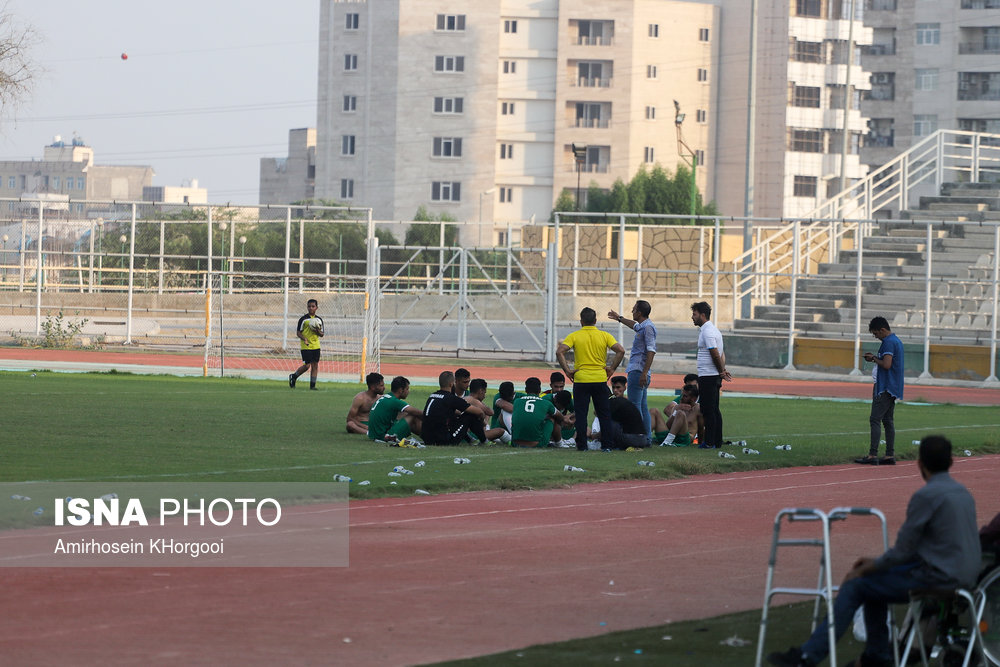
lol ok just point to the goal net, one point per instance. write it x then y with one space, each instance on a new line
250 325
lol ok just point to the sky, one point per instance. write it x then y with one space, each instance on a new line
209 86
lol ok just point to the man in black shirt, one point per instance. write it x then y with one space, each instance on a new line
627 427
447 417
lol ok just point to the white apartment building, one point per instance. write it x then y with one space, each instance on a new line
802 75
473 109
933 65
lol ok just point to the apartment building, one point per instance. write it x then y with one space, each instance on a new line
474 110
807 80
933 65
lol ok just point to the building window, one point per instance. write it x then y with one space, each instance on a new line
55 183
447 147
448 105
451 22
446 191
811 8
507 109
702 74
928 34
352 21
449 63
347 188
80 184
807 52
347 144
650 71
509 66
595 33
510 26
506 151
591 75
703 34
650 113
647 154
926 79
924 124
350 62
805 186
506 195
12 182
806 141
654 29
350 102
699 156
701 116
805 96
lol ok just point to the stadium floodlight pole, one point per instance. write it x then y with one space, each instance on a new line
580 155
222 228
100 250
243 262
5 239
123 239
748 200
692 162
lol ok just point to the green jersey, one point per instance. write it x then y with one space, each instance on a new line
530 419
384 414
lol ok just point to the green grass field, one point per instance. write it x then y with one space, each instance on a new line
103 427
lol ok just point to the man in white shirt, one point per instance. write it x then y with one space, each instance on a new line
711 372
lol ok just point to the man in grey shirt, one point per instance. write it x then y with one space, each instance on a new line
937 546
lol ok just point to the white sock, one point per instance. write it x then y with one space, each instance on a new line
669 440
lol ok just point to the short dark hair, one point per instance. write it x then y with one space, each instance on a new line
446 379
398 382
935 453
588 316
462 373
506 391
702 307
619 379
643 307
691 389
878 323
557 377
533 385
373 379
312 301
476 385
562 399
691 378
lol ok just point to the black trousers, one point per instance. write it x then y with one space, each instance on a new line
708 398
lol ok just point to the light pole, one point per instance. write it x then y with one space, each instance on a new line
223 226
243 262
124 240
690 157
580 155
5 239
481 194
100 248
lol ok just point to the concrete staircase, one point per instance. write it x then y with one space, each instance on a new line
894 276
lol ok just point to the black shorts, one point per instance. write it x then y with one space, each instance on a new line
310 356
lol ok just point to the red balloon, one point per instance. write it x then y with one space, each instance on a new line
124 56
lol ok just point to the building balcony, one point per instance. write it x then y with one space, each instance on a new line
593 122
980 4
593 83
880 5
972 94
880 140
978 49
879 50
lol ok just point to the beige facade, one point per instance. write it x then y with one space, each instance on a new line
473 110
189 193
284 180
933 65
67 172
802 74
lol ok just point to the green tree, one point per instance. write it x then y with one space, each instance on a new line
618 197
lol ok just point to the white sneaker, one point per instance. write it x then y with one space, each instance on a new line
505 438
414 441
567 443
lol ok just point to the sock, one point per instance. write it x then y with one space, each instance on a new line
669 440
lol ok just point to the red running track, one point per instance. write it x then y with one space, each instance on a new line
435 578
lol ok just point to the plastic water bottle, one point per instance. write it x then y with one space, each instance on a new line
364 483
39 512
419 464
109 496
461 460
395 474
741 443
747 450
341 478
399 469
651 464
406 472
783 447
570 468
18 496
967 452
421 492
726 455
915 442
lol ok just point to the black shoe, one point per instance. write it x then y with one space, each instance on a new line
791 658
291 380
867 460
887 461
313 388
